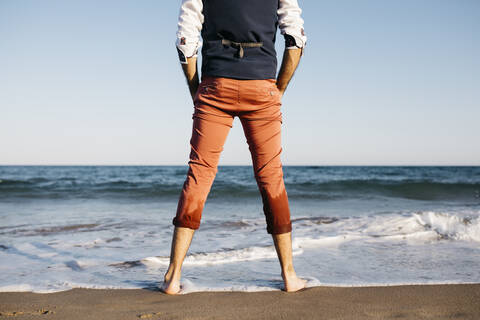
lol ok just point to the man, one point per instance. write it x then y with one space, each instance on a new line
239 66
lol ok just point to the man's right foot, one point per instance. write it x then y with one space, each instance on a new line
293 283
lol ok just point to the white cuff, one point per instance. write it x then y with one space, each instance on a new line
187 49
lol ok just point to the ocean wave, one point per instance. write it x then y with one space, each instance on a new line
209 258
68 187
327 241
421 227
408 181
48 230
449 226
59 287
417 227
408 188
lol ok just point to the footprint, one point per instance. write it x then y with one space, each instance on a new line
10 314
17 313
148 315
43 311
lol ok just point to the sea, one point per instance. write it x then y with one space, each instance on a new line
64 227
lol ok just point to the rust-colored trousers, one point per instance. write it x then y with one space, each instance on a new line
217 102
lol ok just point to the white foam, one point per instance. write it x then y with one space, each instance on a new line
190 287
451 226
220 257
21 287
333 241
60 286
415 228
414 237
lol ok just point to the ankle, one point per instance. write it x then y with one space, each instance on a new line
288 272
172 274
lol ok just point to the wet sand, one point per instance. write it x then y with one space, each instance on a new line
452 301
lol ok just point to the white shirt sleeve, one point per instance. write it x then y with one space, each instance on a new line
290 24
190 23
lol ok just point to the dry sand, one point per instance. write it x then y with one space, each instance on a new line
453 301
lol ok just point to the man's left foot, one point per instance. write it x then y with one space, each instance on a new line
171 287
171 283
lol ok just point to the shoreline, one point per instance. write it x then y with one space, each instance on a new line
414 301
189 289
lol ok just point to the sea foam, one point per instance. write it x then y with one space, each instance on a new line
220 257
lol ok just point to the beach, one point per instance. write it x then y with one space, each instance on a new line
453 301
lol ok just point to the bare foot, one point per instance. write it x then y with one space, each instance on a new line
171 287
171 284
293 283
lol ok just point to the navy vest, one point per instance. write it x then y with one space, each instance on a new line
239 21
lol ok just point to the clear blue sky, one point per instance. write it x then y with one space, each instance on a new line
381 83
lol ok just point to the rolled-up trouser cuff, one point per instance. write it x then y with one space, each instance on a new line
280 229
185 224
